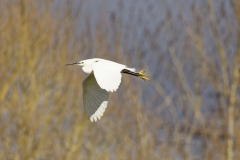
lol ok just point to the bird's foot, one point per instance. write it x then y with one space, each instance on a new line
142 75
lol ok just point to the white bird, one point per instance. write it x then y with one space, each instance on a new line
104 77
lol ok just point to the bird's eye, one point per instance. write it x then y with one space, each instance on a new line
96 61
81 62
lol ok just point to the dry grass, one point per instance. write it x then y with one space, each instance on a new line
189 109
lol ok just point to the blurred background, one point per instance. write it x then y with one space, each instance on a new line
188 110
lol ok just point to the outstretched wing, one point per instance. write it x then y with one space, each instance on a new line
95 99
108 74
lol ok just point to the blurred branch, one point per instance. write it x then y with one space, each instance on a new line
235 85
232 101
230 92
220 48
160 90
203 58
40 115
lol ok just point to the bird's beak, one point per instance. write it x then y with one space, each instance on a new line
76 63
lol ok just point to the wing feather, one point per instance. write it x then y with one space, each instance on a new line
95 99
108 74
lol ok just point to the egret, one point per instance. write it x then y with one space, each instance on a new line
104 77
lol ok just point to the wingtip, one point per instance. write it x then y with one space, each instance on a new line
91 119
112 90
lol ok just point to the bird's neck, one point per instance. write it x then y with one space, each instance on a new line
87 69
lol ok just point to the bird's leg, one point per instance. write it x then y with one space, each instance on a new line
140 74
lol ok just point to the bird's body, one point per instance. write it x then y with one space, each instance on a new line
105 76
88 64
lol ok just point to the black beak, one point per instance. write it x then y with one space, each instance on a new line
72 63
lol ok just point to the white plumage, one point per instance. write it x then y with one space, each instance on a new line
108 74
95 99
104 77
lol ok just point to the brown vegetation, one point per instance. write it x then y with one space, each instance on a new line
188 110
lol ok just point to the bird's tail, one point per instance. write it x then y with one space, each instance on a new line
131 69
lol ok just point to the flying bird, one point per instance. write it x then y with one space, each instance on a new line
104 77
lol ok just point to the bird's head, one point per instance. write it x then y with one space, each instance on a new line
87 62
